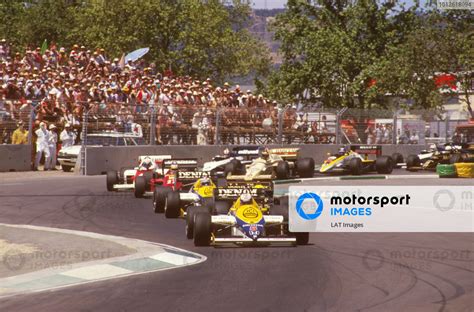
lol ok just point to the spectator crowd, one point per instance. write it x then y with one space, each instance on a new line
59 84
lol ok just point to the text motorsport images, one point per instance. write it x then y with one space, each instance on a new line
380 209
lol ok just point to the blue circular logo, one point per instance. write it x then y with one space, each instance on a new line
309 216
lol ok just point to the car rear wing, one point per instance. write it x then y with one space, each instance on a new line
246 152
154 158
367 149
183 163
285 153
187 169
261 191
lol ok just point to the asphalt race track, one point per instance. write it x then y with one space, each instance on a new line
337 272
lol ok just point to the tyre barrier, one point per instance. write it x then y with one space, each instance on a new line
446 171
465 170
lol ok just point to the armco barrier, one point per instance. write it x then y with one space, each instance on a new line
15 157
101 159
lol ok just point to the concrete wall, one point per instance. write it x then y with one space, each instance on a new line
15 157
101 159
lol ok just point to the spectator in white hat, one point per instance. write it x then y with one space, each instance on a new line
68 137
42 146
53 145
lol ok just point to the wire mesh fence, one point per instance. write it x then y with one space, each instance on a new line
128 124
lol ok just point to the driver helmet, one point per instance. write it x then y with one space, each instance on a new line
147 162
433 146
265 153
342 150
174 166
448 148
226 152
205 181
245 199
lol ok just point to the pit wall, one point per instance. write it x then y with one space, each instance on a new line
15 157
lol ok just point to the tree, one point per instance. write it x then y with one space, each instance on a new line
200 38
328 45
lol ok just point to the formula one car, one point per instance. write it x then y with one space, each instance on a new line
176 174
148 165
355 160
244 213
276 163
200 196
440 154
232 160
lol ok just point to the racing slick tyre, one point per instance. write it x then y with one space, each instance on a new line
455 158
302 238
305 167
233 167
112 178
208 203
202 229
221 182
66 168
355 166
148 176
384 164
140 186
413 161
221 208
465 170
172 205
397 158
280 210
159 198
446 170
191 212
283 170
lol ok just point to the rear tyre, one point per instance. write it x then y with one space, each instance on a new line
221 182
413 162
397 158
233 167
202 229
302 238
355 166
283 170
455 158
140 186
384 164
305 167
66 168
159 198
191 212
221 207
148 176
208 204
172 205
112 178
280 210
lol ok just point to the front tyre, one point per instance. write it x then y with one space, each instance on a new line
283 170
140 186
384 164
172 205
112 178
202 229
159 198
305 167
